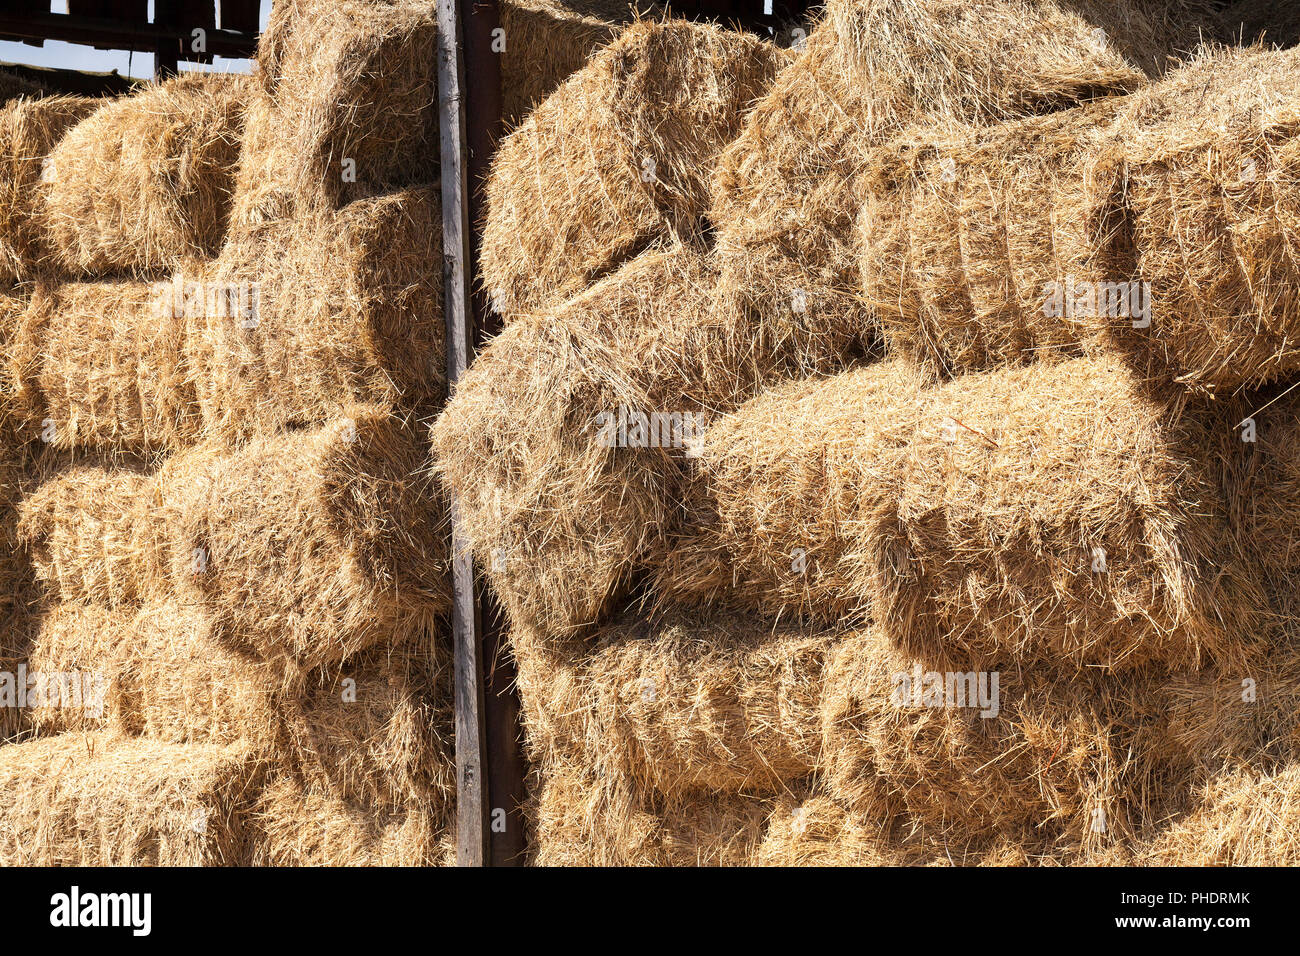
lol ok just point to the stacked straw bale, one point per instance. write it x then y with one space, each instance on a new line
616 159
335 308
145 182
1056 512
29 130
100 800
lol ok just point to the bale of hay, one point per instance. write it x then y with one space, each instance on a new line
616 159
318 313
1083 759
784 200
969 236
18 591
1251 21
722 704
29 130
352 108
562 503
163 673
548 40
99 800
1245 819
1056 512
145 181
101 365
312 545
97 536
1211 167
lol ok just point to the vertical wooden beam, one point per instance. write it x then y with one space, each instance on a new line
167 55
472 818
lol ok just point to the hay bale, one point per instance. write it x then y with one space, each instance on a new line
784 200
18 593
562 512
29 130
616 159
548 40
1211 202
164 672
97 800
969 520
353 104
967 234
145 181
332 309
96 536
101 365
1059 747
1252 21
312 545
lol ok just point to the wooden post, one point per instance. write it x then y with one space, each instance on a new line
471 764
167 55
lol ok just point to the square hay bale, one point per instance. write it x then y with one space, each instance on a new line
162 671
99 800
144 182
313 545
971 238
720 704
318 313
18 591
616 159
1080 758
29 130
784 199
101 365
548 40
1211 170
1245 818
564 442
96 535
1056 512
353 104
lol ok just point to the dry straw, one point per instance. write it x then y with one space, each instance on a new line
970 235
100 800
319 312
100 365
29 130
312 545
1081 759
352 109
784 196
13 87
145 181
1251 20
616 158
1212 194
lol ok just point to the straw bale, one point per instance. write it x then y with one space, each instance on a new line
96 535
145 181
311 545
548 40
561 521
264 177
968 233
17 584
99 800
1245 819
784 198
353 102
616 159
1061 746
164 672
1211 199
101 365
318 313
29 130
1267 20
968 519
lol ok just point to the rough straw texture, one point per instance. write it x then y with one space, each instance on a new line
145 181
616 159
99 800
319 312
